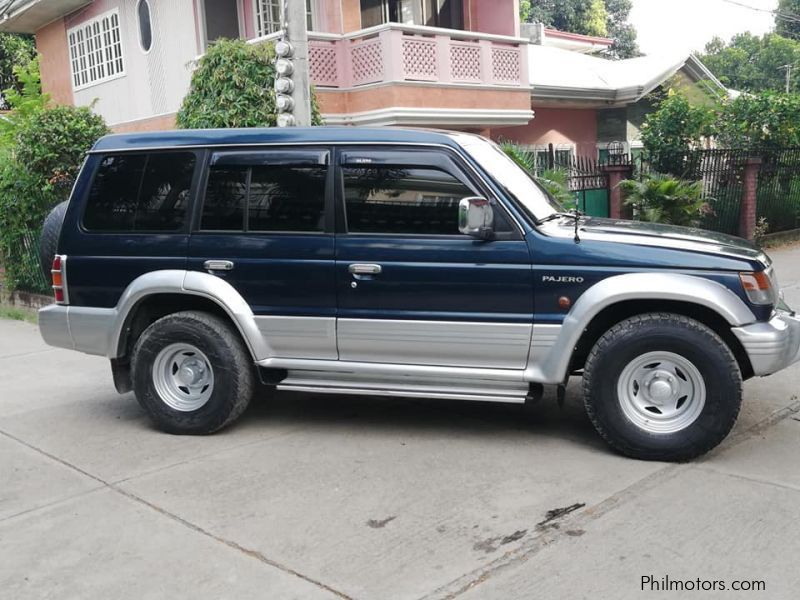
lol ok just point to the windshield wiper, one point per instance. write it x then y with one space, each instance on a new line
574 214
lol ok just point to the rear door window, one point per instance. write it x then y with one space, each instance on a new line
140 192
266 192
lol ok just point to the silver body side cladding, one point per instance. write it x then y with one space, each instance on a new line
300 337
439 343
488 361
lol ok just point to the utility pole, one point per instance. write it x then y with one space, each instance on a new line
788 69
293 98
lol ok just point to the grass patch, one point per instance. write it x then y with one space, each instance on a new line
15 313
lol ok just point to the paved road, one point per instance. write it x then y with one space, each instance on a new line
336 497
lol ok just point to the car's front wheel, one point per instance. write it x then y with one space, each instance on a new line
192 373
662 387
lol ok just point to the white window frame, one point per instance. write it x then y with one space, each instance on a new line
260 31
258 16
107 46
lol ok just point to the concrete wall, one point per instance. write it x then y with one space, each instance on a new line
556 126
51 42
155 82
492 16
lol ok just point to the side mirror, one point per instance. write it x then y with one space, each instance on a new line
476 217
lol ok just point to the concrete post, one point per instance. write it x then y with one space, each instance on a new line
747 208
297 34
615 174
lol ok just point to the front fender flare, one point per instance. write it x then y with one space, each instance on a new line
550 365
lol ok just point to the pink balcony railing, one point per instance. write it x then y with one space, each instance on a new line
394 52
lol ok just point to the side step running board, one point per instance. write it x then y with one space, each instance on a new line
477 390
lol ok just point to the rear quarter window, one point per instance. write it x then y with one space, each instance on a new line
140 192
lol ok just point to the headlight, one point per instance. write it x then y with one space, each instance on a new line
759 287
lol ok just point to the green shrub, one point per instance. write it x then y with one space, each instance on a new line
675 127
42 151
665 199
53 142
232 86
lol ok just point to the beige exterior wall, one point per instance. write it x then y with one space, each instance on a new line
154 82
151 124
51 42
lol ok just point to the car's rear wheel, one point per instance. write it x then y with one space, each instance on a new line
662 387
192 373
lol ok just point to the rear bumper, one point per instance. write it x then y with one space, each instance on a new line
771 346
77 328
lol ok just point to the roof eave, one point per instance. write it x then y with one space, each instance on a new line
35 14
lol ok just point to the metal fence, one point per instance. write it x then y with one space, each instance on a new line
31 278
585 179
778 196
721 171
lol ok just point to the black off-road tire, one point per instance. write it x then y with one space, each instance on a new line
664 332
48 241
229 358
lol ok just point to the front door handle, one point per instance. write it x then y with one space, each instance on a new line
218 265
364 269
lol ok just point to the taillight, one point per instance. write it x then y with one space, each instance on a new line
758 287
58 273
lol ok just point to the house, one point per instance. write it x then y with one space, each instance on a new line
459 64
446 63
588 106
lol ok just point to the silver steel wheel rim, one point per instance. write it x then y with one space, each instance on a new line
661 392
183 377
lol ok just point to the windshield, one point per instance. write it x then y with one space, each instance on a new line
515 180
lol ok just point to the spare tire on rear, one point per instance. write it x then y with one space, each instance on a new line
48 242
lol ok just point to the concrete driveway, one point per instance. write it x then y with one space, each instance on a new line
340 497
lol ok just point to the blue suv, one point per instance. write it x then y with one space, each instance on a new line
399 263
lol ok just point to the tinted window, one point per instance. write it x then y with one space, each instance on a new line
226 197
275 198
287 199
402 200
140 192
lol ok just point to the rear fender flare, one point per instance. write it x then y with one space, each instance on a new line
190 283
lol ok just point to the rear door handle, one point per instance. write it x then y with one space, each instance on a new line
364 269
218 265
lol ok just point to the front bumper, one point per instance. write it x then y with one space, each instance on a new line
773 345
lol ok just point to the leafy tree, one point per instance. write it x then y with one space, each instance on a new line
764 119
588 17
665 199
788 27
674 127
752 63
232 86
15 50
622 32
42 150
525 10
25 101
